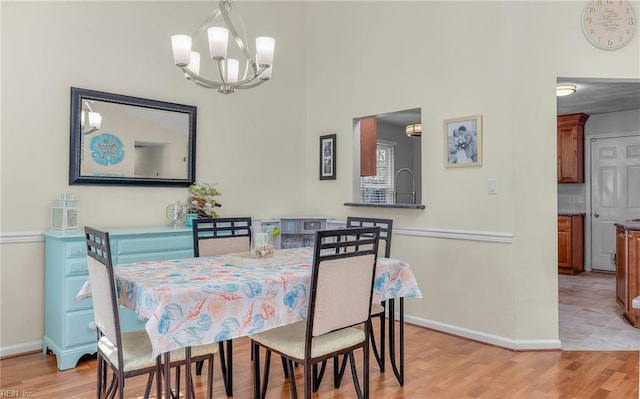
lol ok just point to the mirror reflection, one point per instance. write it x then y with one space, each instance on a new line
126 140
388 158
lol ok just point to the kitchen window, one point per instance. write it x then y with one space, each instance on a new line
378 189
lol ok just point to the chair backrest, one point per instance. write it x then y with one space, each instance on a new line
386 229
221 236
103 287
344 263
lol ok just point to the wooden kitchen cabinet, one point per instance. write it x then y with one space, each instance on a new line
571 148
570 244
628 269
368 146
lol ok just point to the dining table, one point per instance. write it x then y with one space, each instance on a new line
202 300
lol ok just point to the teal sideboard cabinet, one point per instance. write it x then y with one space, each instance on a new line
69 331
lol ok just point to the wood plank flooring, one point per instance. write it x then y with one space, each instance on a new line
438 366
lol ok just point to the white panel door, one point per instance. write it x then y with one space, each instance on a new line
615 193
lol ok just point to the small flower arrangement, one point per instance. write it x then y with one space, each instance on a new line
202 199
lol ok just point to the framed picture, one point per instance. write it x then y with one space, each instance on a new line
463 141
328 157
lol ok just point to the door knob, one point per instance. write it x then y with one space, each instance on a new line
596 215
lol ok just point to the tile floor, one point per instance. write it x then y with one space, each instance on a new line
590 318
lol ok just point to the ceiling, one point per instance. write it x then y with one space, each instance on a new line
593 96
599 96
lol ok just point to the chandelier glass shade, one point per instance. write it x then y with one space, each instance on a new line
257 66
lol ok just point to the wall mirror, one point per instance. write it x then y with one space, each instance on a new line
117 139
388 158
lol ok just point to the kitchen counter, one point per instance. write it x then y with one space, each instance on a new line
629 224
570 213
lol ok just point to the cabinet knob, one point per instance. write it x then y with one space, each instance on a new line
597 215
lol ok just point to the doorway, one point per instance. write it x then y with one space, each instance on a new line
614 192
612 176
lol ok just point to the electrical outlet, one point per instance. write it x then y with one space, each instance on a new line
572 199
580 199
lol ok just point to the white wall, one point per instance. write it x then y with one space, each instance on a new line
246 142
455 59
493 279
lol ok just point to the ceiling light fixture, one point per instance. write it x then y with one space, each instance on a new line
414 130
258 66
565 90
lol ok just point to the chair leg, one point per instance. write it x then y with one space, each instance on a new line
159 377
318 374
199 365
379 355
255 356
292 380
260 387
120 387
285 367
99 377
210 377
308 380
354 373
111 391
339 371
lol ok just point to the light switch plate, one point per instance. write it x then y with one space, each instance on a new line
492 186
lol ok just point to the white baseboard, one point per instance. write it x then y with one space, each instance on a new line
19 349
539 344
548 344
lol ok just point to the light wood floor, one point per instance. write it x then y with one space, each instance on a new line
438 366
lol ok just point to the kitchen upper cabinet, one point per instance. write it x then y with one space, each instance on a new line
570 244
368 146
571 148
628 271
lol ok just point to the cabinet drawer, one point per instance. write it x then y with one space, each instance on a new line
153 244
78 328
165 255
72 286
75 250
76 267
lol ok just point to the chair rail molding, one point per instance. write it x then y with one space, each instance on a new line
14 237
468 235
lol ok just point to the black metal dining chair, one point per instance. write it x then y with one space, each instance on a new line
128 354
378 310
219 236
342 276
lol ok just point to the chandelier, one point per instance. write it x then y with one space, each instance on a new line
257 68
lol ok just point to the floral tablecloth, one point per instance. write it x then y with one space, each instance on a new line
196 301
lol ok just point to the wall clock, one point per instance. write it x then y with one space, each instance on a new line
609 24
